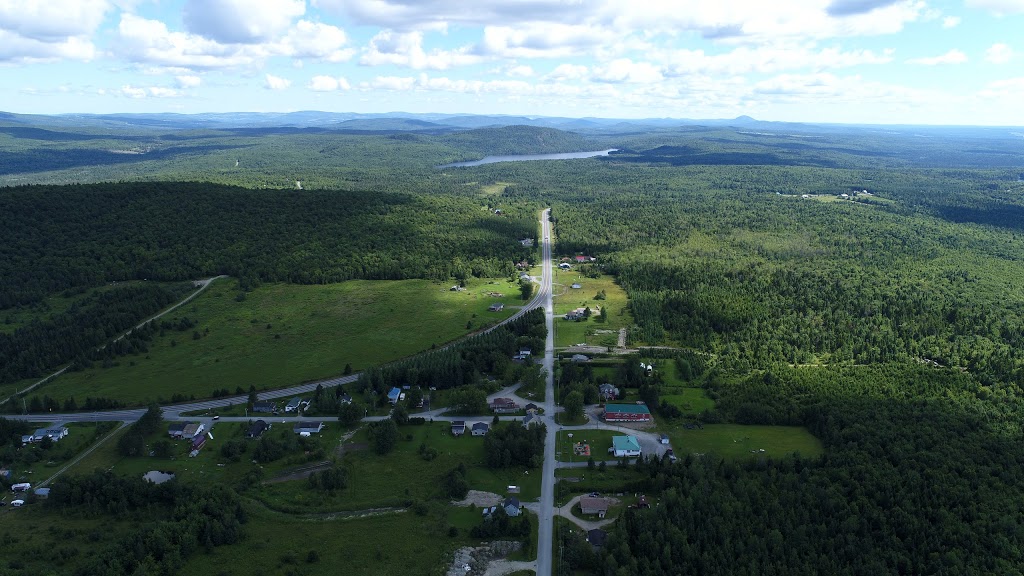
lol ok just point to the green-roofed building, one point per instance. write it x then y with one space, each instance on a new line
625 446
626 413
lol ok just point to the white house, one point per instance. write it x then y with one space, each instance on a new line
54 434
625 446
480 429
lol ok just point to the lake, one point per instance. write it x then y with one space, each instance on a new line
528 157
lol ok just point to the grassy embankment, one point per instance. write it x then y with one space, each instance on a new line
284 334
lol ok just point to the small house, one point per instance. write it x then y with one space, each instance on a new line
296 404
257 428
264 406
608 391
393 395
512 506
531 407
488 511
198 442
458 427
308 428
527 242
176 429
590 505
345 398
42 492
480 429
531 419
53 434
582 259
496 307
21 487
28 439
524 276
597 537
503 406
625 446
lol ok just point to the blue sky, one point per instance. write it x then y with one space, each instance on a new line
849 61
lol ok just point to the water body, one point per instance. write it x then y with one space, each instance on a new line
528 157
157 477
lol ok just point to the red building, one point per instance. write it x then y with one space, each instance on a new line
626 413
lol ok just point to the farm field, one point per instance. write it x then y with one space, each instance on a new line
736 441
282 334
568 333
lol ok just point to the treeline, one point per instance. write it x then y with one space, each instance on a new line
56 237
462 363
33 349
513 445
173 521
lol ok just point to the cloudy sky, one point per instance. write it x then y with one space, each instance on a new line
863 61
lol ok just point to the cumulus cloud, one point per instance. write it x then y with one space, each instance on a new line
542 40
999 53
275 83
241 21
768 59
316 40
848 7
406 49
327 84
150 42
52 20
952 57
568 72
950 22
20 49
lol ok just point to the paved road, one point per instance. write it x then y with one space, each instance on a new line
547 489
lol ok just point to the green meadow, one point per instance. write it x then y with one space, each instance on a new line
737 441
592 331
282 334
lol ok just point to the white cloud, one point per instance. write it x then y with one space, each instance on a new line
275 83
1010 89
241 21
406 49
149 41
52 20
137 92
998 7
626 70
316 40
999 53
568 72
189 81
541 40
20 49
768 59
521 70
950 21
327 84
952 57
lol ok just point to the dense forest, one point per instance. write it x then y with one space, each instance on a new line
54 238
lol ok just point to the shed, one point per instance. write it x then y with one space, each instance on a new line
257 428
264 406
496 307
580 358
43 492
308 428
458 427
393 395
664 439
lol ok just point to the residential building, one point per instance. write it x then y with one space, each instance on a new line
593 505
393 395
608 391
512 506
296 404
503 406
627 413
308 428
480 429
176 429
496 307
458 427
54 434
264 406
192 429
531 419
625 446
257 428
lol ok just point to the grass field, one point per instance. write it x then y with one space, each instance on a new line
591 331
736 441
600 441
395 544
573 482
284 334
402 475
80 436
691 401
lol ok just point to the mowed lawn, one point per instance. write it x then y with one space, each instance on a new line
284 334
591 331
736 441
600 442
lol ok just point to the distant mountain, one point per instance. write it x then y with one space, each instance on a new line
392 124
518 140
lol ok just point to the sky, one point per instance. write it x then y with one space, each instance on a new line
843 61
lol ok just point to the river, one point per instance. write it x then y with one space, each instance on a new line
528 157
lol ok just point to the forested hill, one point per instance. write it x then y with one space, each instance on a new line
518 140
57 237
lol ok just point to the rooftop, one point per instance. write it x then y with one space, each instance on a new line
626 443
627 408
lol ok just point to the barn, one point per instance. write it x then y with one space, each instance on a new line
626 413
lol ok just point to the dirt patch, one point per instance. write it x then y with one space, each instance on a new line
480 499
343 448
475 559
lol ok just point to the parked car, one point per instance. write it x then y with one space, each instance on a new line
217 417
